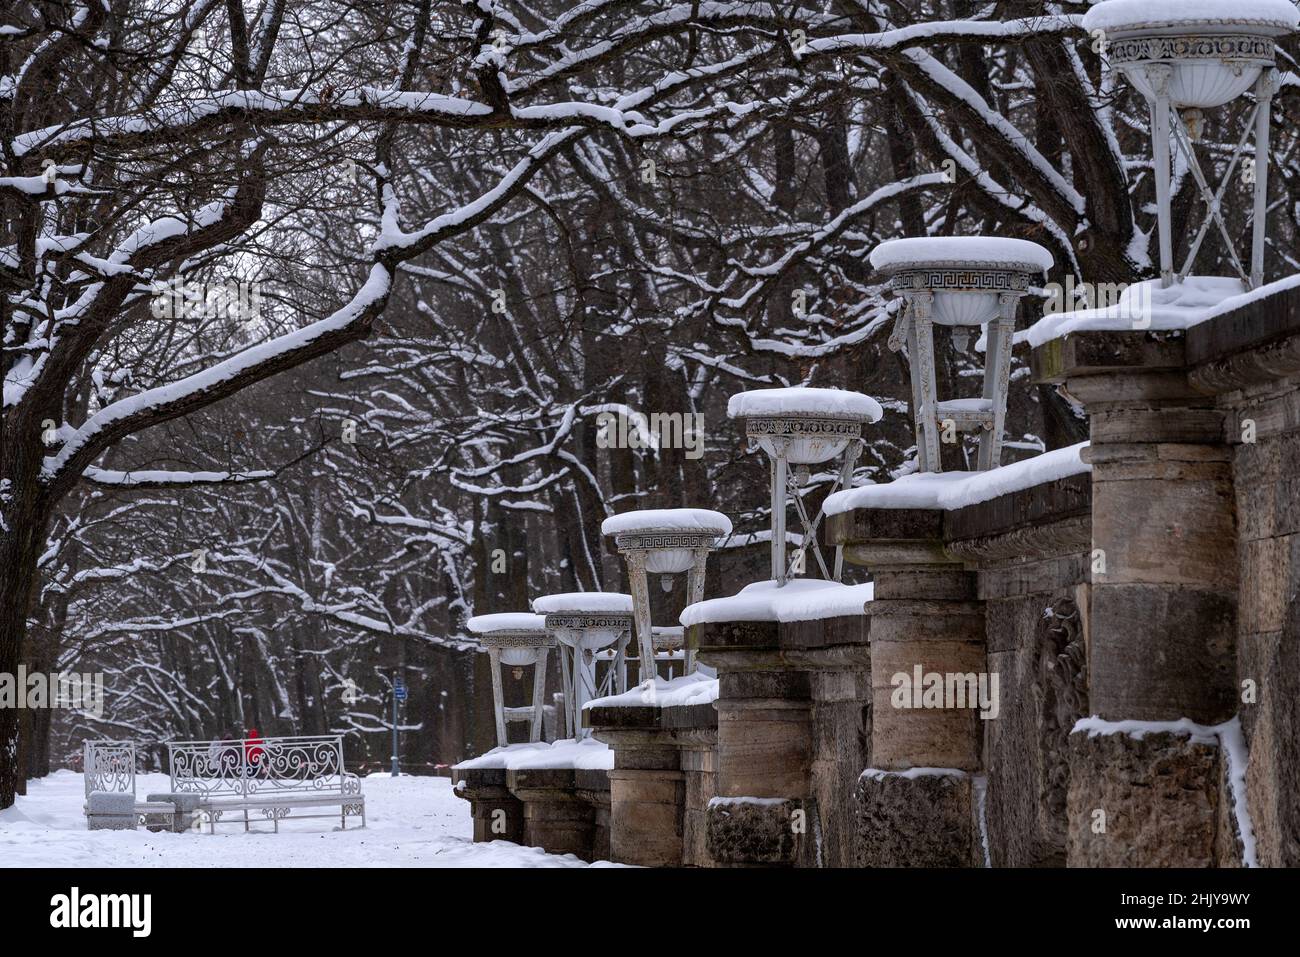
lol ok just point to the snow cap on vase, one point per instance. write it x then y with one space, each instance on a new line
817 423
668 535
990 265
1215 49
520 636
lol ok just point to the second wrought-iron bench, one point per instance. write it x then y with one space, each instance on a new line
272 777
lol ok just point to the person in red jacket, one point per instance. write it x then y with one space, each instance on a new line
253 749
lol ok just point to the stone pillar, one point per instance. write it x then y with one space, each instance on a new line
790 720
765 748
661 784
916 800
556 818
497 814
1163 599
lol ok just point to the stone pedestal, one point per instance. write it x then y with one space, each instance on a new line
1163 613
793 720
497 814
662 781
909 819
914 802
556 818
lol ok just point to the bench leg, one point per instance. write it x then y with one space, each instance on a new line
245 820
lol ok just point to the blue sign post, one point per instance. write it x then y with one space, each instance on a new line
399 694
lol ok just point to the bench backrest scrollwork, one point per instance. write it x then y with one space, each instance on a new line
260 766
108 766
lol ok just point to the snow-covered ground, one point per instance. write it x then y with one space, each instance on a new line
410 822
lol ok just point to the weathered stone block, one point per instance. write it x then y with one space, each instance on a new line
1159 653
917 819
769 832
1148 802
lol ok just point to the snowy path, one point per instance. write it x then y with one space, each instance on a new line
411 822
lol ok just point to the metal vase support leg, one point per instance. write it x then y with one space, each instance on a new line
498 696
1158 75
694 595
1265 88
539 696
923 327
639 582
780 472
997 374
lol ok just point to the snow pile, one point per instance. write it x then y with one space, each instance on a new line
674 519
677 693
1145 306
506 621
800 599
583 602
952 490
585 755
984 250
803 401
410 822
1119 14
879 774
1227 736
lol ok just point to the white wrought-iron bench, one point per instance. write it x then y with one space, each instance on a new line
269 776
108 769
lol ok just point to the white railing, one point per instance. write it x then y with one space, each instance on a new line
108 766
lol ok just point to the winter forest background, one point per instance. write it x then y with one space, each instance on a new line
475 227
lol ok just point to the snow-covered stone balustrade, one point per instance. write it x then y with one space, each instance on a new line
1195 527
792 712
549 795
975 646
664 739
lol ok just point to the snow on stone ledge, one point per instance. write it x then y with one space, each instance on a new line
677 693
506 621
683 519
1145 306
565 754
838 402
578 602
1121 14
952 490
910 774
802 599
990 250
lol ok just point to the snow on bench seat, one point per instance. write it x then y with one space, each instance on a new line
953 490
801 599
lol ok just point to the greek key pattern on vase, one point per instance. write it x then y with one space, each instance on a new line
667 539
517 639
1014 279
